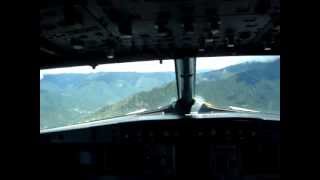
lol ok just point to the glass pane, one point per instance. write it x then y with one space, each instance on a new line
80 94
245 83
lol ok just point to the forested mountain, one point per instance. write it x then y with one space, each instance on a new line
73 98
67 98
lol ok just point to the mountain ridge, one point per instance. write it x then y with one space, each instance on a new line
79 98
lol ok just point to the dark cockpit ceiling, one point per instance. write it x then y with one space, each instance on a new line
91 32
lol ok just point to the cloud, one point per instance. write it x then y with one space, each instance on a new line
205 63
41 76
143 66
214 63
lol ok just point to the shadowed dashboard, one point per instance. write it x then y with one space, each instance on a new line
207 147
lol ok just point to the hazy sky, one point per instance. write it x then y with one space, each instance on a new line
207 63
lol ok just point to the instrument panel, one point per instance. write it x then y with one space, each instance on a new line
232 130
184 132
210 148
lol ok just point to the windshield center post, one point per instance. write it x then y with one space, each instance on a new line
186 78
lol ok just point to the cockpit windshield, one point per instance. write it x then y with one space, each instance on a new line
81 94
77 95
242 83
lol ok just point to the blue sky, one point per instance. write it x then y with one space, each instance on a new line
206 63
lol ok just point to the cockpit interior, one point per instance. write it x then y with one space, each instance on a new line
134 120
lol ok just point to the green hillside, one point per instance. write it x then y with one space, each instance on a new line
256 88
148 100
68 98
75 98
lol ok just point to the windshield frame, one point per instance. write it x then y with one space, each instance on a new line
168 70
173 107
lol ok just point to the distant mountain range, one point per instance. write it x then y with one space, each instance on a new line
73 98
249 85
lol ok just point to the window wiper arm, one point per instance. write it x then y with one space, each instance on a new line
242 109
205 108
164 109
